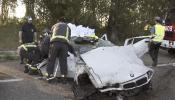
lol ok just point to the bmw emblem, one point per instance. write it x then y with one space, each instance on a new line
132 75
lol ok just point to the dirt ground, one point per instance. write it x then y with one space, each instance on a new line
30 88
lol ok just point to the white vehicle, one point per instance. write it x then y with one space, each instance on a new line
103 68
169 38
114 69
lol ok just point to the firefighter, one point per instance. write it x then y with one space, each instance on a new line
45 43
27 34
59 47
159 31
40 53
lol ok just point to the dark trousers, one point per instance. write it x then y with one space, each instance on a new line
153 51
23 54
31 55
60 50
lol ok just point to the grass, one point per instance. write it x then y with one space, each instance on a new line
9 37
4 56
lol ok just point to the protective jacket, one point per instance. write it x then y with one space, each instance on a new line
61 33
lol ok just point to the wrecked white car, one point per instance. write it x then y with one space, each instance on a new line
103 68
107 68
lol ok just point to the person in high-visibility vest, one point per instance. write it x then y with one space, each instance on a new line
25 51
39 53
158 31
59 47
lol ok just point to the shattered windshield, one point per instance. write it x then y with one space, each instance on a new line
83 48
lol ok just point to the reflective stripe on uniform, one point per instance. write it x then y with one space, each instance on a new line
25 46
67 33
54 36
94 36
31 67
46 74
22 46
159 33
60 37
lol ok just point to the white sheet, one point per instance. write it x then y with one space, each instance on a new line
80 31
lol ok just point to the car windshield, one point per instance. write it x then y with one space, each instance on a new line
83 48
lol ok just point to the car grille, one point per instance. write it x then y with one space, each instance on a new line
141 81
134 84
129 85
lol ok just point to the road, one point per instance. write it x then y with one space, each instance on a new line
27 87
163 80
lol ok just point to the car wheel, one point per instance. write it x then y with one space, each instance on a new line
148 87
171 51
78 94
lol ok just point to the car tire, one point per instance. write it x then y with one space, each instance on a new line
171 51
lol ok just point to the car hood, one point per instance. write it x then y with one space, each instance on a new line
117 64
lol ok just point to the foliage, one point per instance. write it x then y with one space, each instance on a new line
5 6
119 18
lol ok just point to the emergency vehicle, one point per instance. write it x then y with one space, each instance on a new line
169 39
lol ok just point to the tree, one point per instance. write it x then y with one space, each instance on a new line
126 17
5 6
121 17
30 5
88 12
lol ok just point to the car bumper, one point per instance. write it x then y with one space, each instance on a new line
129 85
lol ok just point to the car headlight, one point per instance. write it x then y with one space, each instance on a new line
149 73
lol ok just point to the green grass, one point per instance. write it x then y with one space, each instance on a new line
9 55
9 37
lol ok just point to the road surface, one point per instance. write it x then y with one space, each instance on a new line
27 87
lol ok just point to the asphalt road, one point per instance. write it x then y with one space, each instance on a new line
163 79
27 87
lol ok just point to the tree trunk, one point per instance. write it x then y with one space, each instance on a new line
4 11
112 29
30 5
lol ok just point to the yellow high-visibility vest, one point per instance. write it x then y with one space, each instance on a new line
94 36
159 33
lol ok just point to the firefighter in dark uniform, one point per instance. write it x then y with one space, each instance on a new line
28 33
158 32
27 36
45 43
59 48
39 53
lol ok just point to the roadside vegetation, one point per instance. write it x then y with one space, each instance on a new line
119 19
9 37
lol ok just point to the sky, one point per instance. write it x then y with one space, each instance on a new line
20 10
